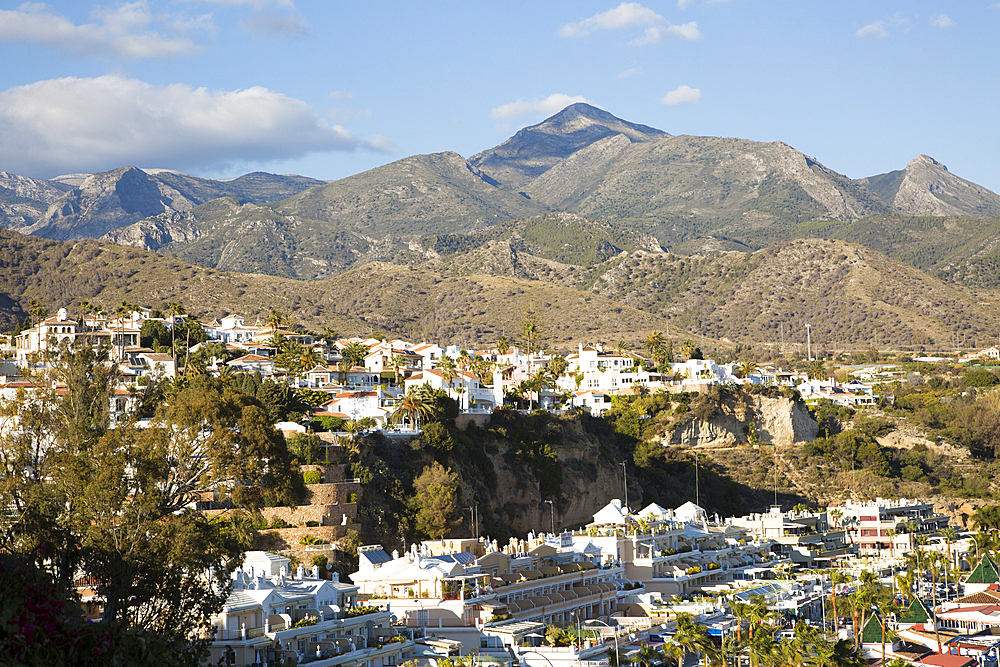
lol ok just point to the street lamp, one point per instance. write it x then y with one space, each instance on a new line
809 354
552 516
595 620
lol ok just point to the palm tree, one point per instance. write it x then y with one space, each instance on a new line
836 577
85 307
355 353
885 602
746 367
503 345
904 583
741 610
278 341
309 357
121 310
691 637
412 407
654 345
649 656
175 310
728 652
758 612
274 320
449 370
397 362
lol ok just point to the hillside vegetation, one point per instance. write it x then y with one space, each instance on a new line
845 291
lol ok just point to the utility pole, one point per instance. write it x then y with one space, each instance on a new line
781 328
625 477
552 516
697 491
809 354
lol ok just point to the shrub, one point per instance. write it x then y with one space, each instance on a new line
320 561
980 377
312 476
312 524
310 539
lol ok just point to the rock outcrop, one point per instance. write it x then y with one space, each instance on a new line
778 421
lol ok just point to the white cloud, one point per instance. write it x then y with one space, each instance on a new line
657 33
631 15
625 15
342 94
941 21
550 105
682 95
92 124
256 4
875 29
684 4
629 73
128 31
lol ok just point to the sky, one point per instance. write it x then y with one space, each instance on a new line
328 88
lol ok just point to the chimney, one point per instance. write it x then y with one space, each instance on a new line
315 571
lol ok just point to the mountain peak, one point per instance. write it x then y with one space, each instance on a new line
925 161
536 149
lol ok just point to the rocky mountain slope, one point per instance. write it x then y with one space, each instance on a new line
681 188
536 149
845 291
90 205
926 187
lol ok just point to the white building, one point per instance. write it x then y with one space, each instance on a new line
272 615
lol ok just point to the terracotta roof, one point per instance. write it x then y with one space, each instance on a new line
948 660
982 597
252 357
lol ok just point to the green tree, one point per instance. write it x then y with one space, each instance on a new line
436 500
355 353
305 447
413 407
530 333
503 345
176 310
111 504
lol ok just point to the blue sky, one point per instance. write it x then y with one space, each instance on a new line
327 88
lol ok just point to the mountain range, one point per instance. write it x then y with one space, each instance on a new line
624 226
690 194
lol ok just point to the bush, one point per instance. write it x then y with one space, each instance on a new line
310 539
320 561
312 524
312 476
980 377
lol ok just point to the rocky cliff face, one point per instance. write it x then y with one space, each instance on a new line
106 201
926 187
779 421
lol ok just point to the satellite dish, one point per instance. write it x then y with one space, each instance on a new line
393 619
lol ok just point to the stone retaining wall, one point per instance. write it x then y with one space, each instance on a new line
326 515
